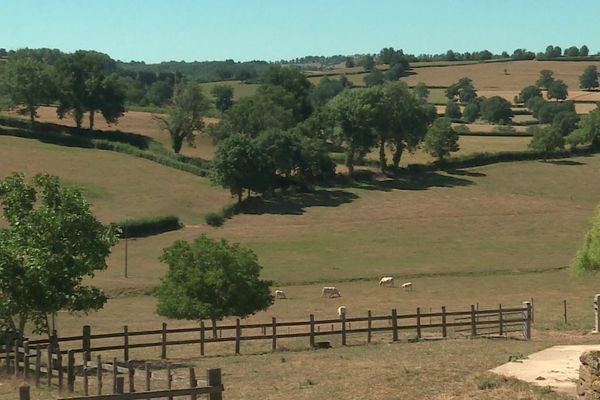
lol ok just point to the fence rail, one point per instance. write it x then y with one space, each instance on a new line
473 322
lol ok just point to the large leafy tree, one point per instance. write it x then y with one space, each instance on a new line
557 90
296 84
27 84
546 139
587 258
223 95
589 78
545 79
50 242
184 115
441 139
496 109
528 93
211 279
353 112
87 83
588 131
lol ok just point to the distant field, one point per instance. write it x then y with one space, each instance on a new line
118 185
240 89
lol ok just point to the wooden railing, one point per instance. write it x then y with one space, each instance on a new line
473 322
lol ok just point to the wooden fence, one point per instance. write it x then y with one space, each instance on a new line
422 325
212 387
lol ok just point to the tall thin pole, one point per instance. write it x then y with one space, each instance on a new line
126 248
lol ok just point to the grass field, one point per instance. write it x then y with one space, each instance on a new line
240 89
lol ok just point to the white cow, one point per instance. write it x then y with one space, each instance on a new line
342 311
407 286
386 281
280 294
330 291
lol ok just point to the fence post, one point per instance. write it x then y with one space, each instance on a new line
343 317
418 322
202 337
17 353
500 320
70 371
312 330
444 326
59 364
163 341
473 322
394 325
193 383
115 373
99 374
148 376
24 392
85 375
120 385
26 359
85 340
50 363
532 311
369 325
131 376
564 310
527 320
38 364
125 343
274 341
169 378
213 377
597 313
238 334
7 350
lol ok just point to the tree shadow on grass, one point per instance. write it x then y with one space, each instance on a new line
296 203
462 172
564 162
410 181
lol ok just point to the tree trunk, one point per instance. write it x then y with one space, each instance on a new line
214 327
397 155
350 162
78 114
177 142
32 117
239 193
92 113
382 159
22 322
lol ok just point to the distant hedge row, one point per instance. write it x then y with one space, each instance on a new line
142 227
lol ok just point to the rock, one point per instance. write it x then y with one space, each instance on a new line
540 378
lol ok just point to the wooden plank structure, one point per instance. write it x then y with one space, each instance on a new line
474 322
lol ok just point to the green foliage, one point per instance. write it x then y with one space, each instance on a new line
326 90
441 139
534 105
373 78
395 72
421 92
565 122
462 130
463 89
584 51
295 84
142 227
557 90
367 62
471 111
588 131
589 78
548 111
50 244
210 279
214 219
184 116
496 109
545 79
223 95
572 51
545 139
504 130
528 93
28 84
452 110
159 93
587 258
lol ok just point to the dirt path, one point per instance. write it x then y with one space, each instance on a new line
557 367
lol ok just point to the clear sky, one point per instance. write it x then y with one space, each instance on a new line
163 30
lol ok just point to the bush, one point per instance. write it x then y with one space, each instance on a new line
149 226
214 219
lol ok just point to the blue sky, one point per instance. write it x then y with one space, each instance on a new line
153 31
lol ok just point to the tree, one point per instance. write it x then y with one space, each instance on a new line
350 62
534 104
223 95
464 89
496 110
51 241
565 122
589 79
375 77
441 139
545 79
367 62
587 258
452 110
557 90
293 83
326 90
421 91
28 84
395 72
545 139
548 110
529 92
588 131
239 165
584 51
471 111
211 279
572 51
86 83
184 115
159 93
353 112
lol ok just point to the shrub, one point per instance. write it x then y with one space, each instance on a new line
149 226
214 219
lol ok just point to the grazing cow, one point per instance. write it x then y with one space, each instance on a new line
407 286
280 294
386 281
342 311
330 291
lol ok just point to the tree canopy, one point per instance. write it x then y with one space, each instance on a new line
587 258
545 79
545 139
496 109
441 139
557 90
588 131
50 243
211 279
589 78
223 95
